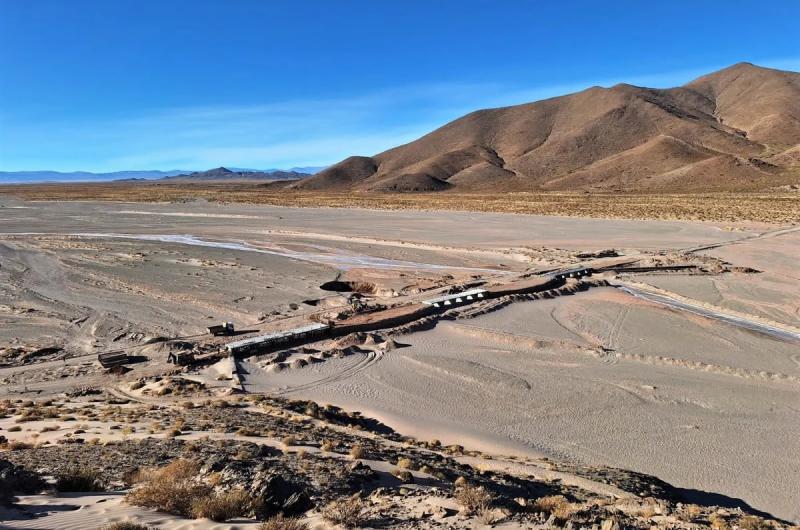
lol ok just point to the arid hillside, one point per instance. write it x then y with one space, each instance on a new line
737 129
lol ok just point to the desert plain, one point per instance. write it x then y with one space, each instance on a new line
686 367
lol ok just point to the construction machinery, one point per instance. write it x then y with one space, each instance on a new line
181 358
226 328
113 359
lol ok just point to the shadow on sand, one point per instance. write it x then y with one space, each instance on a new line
707 498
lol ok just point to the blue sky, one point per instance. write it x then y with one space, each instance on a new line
112 85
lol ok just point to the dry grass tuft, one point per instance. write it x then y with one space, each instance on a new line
690 512
244 431
751 522
127 525
357 452
283 523
771 207
488 517
18 446
717 522
473 499
82 480
556 505
346 512
220 507
405 463
172 433
403 476
172 489
454 450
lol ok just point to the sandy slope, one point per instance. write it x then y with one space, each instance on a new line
773 294
689 406
80 512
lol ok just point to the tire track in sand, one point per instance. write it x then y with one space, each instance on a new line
371 358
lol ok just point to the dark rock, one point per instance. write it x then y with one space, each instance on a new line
358 466
16 479
276 495
213 464
297 504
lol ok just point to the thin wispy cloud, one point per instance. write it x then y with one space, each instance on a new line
296 132
276 134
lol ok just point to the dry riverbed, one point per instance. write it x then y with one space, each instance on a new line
576 388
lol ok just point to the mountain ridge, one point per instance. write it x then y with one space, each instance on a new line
736 129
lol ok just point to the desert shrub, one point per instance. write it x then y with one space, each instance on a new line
245 453
18 446
565 511
403 475
289 441
172 488
556 505
280 522
29 415
454 449
76 479
717 522
244 431
312 409
405 463
327 446
127 525
357 452
487 517
473 499
691 512
751 522
346 512
220 507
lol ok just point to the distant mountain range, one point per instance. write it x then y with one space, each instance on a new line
223 173
17 177
14 177
733 130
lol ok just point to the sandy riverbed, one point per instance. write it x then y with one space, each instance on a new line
598 377
690 401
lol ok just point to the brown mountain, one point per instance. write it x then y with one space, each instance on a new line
736 129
